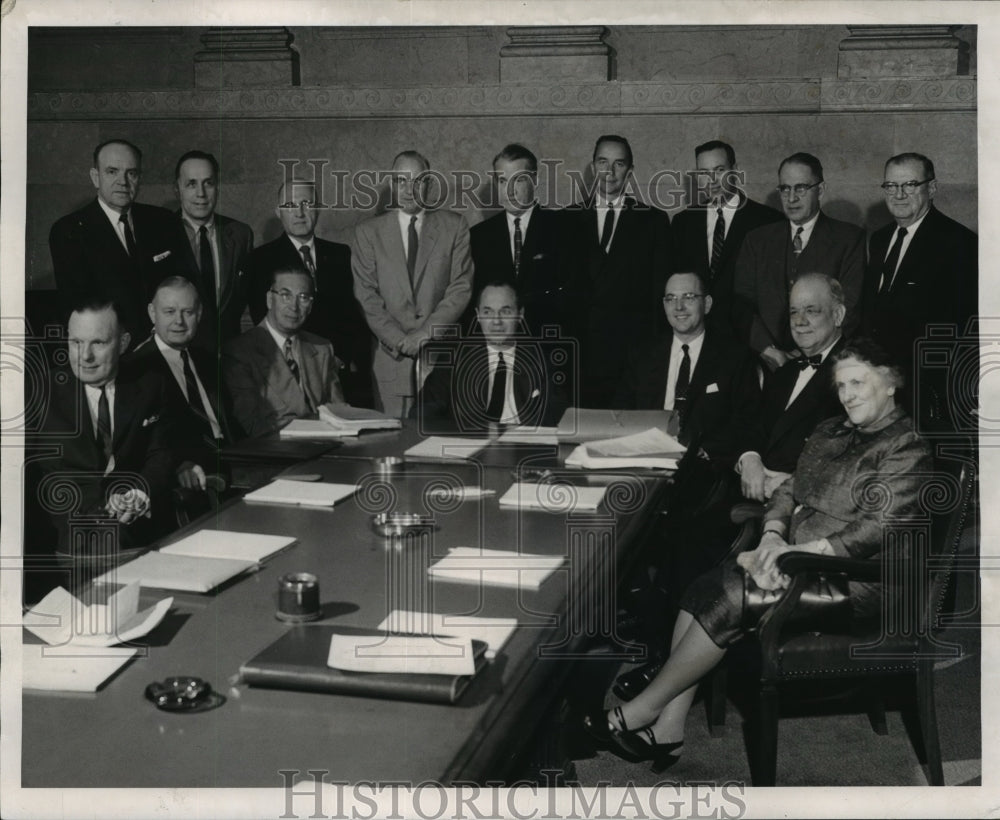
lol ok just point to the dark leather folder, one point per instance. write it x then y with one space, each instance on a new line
297 660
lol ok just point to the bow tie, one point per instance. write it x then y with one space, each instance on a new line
809 361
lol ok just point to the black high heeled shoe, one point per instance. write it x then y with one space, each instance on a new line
661 755
634 746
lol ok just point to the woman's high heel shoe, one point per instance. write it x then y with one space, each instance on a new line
662 755
634 746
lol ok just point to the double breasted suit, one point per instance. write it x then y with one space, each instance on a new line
621 289
335 315
723 394
89 258
222 308
394 307
263 392
766 268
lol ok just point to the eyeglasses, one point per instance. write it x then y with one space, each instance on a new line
305 203
287 297
684 298
909 187
800 189
503 313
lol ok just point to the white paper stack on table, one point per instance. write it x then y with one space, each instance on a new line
79 653
580 424
473 565
200 562
523 434
494 632
552 497
650 448
338 421
445 448
304 493
402 654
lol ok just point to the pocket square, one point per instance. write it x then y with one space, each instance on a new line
150 420
712 388
535 393
161 256
538 256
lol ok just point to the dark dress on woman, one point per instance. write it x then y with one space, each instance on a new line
848 483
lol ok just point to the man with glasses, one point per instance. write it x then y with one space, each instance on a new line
702 374
413 277
624 251
276 371
498 379
922 269
708 234
336 314
773 256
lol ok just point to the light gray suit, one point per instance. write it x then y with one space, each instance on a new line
261 387
393 308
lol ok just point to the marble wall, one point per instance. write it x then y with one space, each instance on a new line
364 94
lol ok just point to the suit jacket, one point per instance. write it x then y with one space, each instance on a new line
142 438
689 232
764 276
622 291
546 282
195 441
937 281
723 394
222 311
777 433
335 315
455 395
392 306
264 394
88 257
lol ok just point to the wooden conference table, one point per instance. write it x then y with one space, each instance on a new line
115 738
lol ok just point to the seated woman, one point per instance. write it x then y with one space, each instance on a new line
816 511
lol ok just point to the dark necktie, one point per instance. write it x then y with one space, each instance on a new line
127 230
207 263
891 262
809 361
411 249
294 367
718 240
609 228
495 410
683 377
104 425
797 241
307 260
518 239
193 394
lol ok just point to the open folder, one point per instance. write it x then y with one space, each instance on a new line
300 660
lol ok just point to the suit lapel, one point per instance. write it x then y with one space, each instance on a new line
107 234
227 256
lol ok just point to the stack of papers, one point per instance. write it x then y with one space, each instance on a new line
183 572
338 421
436 448
472 565
494 632
71 669
539 436
580 424
307 494
650 448
552 497
402 654
245 546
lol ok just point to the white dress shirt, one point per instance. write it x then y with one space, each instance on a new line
676 357
93 395
404 228
807 373
910 230
176 364
807 229
113 217
729 209
509 414
525 219
602 206
193 230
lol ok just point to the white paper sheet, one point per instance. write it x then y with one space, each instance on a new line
540 436
471 565
558 498
402 654
306 494
155 569
246 546
314 428
492 631
446 447
72 669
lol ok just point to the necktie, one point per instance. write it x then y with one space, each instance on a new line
411 249
307 260
609 228
127 230
681 387
104 425
207 263
518 239
809 361
294 367
495 409
797 242
891 262
193 394
718 240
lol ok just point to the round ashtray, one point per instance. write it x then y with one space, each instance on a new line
390 524
388 464
183 694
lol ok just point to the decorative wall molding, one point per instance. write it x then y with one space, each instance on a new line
250 56
902 51
814 96
554 53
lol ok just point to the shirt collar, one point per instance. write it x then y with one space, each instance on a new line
164 347
94 390
404 219
618 202
111 213
694 346
279 338
806 226
303 243
912 229
195 227
525 218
